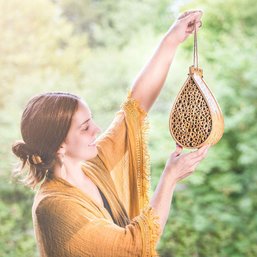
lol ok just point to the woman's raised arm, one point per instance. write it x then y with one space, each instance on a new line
150 80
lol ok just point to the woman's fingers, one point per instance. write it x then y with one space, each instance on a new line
199 153
193 21
182 165
194 158
185 175
197 160
185 25
193 18
188 13
194 166
192 26
178 150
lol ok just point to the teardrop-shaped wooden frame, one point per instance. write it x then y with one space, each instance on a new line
217 128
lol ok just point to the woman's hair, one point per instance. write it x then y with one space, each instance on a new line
45 124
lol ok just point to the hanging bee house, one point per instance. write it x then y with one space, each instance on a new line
196 118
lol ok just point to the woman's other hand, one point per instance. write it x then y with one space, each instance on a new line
181 165
178 166
184 26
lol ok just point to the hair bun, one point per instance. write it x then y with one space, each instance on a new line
21 150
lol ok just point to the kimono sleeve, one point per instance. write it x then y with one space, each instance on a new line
67 229
122 151
123 133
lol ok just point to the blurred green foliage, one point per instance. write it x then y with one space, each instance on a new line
95 49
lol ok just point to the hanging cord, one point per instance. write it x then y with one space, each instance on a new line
195 48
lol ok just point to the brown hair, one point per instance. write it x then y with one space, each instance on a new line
45 123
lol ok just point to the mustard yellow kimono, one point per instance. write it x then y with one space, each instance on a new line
68 223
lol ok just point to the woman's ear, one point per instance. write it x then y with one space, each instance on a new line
60 154
61 150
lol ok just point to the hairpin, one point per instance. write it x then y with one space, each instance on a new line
36 159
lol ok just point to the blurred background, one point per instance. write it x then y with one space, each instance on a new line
95 48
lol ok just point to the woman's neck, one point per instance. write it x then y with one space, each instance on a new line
70 171
73 173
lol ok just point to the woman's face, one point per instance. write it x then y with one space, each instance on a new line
80 142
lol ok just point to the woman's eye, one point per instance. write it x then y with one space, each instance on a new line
86 128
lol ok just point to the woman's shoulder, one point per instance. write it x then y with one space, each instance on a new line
52 194
45 201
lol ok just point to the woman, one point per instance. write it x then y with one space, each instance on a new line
93 193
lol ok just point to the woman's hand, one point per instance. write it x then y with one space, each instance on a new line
177 167
181 165
184 26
